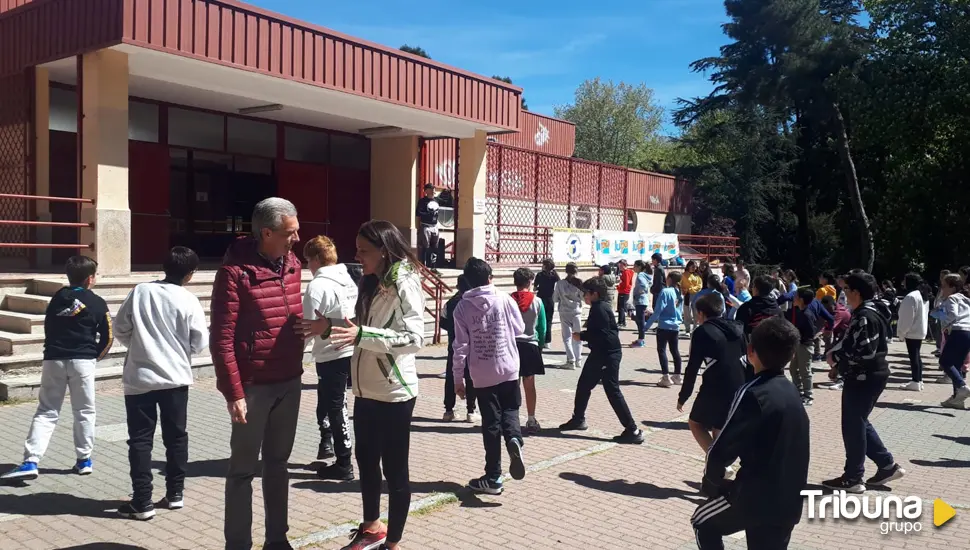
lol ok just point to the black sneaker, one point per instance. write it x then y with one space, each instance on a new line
336 472
885 475
629 437
326 449
574 425
130 511
279 545
807 401
172 501
486 486
516 463
842 484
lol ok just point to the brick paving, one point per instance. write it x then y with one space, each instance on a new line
581 490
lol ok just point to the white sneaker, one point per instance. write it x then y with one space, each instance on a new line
959 399
912 386
676 379
665 382
569 366
473 417
836 386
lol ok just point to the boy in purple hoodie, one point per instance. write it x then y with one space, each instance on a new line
487 323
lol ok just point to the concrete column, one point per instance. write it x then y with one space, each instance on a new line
104 159
472 182
393 183
42 160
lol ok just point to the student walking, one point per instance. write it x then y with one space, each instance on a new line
390 310
802 317
448 323
602 365
954 316
667 315
659 278
718 345
77 334
427 214
860 359
527 343
568 297
611 281
163 325
766 428
641 298
487 325
623 290
332 294
545 287
912 328
760 307
690 285
835 332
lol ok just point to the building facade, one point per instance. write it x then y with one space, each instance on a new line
129 126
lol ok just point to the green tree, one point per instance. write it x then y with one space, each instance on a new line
416 50
508 80
615 123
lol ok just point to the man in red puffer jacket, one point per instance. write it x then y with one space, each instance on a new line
257 342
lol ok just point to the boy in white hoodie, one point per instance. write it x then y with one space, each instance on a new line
163 326
568 297
332 294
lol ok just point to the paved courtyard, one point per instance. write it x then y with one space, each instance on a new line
581 489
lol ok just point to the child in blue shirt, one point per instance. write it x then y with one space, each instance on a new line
668 317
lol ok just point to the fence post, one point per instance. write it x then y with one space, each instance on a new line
599 198
498 201
535 211
626 190
569 196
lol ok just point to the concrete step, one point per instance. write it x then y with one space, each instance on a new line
21 323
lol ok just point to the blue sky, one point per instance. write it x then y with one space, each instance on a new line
546 47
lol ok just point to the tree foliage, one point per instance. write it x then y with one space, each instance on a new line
615 123
415 50
818 124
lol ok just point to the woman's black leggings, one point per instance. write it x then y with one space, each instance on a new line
383 438
641 320
668 338
913 346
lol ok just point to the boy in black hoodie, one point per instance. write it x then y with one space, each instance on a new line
602 364
77 334
860 358
718 346
448 323
760 307
767 428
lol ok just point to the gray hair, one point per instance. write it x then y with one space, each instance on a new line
269 214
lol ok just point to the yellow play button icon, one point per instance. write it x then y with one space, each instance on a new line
942 512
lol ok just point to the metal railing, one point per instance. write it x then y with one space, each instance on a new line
709 247
52 224
436 289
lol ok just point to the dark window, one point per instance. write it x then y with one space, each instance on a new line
350 152
249 137
307 145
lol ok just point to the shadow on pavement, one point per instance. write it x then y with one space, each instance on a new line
942 463
666 425
57 504
443 428
622 487
914 407
558 434
466 496
202 468
961 439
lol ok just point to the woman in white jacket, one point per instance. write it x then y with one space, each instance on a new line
390 310
568 297
331 294
911 327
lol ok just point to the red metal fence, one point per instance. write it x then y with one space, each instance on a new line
15 173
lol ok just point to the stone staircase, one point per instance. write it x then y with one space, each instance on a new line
24 299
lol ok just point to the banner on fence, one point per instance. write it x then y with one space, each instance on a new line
613 246
572 245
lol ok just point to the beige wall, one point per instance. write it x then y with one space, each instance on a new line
42 159
104 177
393 183
472 182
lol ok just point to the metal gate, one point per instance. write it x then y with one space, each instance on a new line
15 160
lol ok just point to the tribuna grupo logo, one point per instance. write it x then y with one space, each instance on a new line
895 514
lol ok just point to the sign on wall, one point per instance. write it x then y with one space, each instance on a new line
613 246
571 245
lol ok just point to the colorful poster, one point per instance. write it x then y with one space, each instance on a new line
613 246
572 246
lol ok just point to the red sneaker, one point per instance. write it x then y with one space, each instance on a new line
362 539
